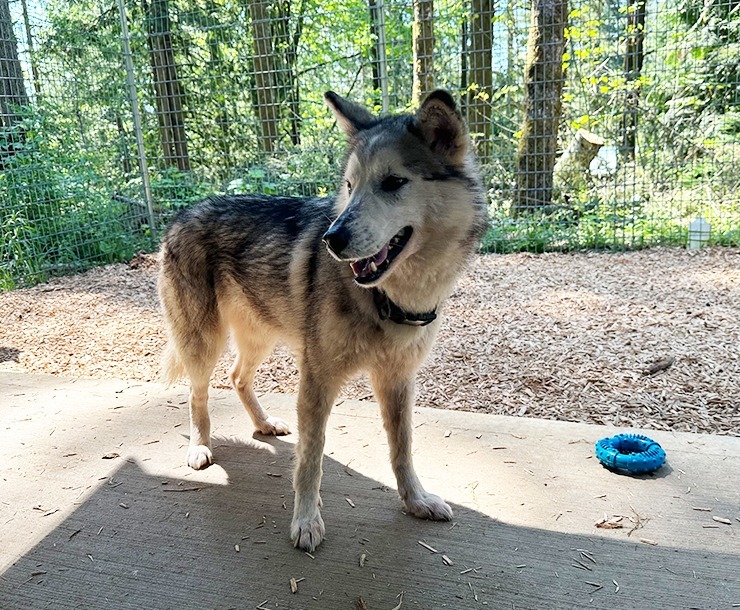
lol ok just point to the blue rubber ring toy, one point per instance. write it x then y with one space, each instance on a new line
635 453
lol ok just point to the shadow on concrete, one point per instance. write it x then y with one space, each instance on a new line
139 541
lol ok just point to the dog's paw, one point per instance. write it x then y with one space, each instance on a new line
307 532
275 426
428 506
199 457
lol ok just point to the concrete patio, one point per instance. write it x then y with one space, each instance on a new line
98 510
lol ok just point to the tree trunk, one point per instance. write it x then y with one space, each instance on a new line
423 42
265 100
633 60
576 159
570 173
374 53
464 64
285 48
543 82
167 89
480 74
217 67
12 86
511 34
294 90
31 50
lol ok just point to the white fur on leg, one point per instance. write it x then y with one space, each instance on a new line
307 531
199 451
395 402
307 528
419 502
199 457
428 506
314 405
273 425
263 422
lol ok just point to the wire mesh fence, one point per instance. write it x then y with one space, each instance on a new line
608 124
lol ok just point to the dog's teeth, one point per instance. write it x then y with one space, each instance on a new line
373 267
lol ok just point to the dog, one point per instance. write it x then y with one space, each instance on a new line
351 283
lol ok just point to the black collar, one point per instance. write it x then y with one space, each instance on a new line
388 310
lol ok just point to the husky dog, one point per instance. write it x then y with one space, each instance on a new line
350 283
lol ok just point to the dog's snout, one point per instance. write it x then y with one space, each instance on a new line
336 239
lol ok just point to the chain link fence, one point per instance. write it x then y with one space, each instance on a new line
609 124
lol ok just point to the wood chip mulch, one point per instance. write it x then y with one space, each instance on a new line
648 339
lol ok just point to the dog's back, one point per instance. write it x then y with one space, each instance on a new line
227 254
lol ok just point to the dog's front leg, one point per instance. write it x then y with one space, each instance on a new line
396 396
315 399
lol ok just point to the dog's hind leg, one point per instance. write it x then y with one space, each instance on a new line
197 339
396 395
252 348
198 359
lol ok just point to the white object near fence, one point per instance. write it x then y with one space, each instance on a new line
605 162
699 232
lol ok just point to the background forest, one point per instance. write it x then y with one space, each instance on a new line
600 124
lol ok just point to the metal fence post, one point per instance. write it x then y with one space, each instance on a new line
134 98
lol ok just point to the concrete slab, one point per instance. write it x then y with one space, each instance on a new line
98 510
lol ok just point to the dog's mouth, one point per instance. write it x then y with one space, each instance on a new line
371 269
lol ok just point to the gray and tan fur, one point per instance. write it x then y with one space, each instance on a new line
258 268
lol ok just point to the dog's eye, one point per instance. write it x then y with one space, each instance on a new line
349 187
392 183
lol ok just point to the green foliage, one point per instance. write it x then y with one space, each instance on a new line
56 214
173 189
70 187
607 224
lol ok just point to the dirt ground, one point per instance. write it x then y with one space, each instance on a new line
558 336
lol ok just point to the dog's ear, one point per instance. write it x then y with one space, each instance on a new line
350 116
442 126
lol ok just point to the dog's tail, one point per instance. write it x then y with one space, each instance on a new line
172 368
189 302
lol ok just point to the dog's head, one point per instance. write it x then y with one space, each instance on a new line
404 174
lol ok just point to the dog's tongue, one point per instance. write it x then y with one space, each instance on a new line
362 266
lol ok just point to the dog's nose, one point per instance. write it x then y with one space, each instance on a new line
336 239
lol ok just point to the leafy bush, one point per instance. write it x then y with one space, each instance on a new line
57 214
